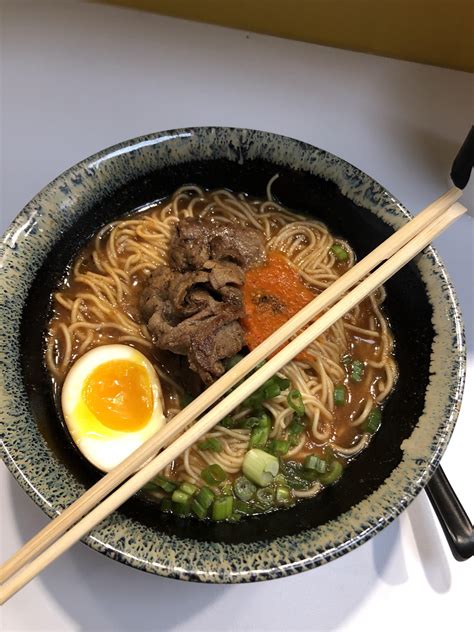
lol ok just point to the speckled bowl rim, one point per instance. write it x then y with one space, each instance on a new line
55 208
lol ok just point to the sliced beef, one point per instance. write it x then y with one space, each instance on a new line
195 241
223 273
189 247
195 312
215 341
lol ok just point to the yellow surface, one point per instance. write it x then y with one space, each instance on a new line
439 32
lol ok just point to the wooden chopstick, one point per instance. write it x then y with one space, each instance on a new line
138 480
109 482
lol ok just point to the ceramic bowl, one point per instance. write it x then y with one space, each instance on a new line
419 416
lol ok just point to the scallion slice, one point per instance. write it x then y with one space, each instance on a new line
282 495
346 360
271 390
185 399
258 437
264 497
282 382
222 507
242 507
198 509
278 447
250 422
226 488
340 395
315 463
182 509
231 362
188 488
295 401
357 371
260 467
161 482
243 488
333 473
211 443
373 421
339 252
180 497
205 497
229 423
213 474
294 431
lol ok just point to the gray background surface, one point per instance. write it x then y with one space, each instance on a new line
76 78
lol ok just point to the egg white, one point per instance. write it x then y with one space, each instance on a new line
105 447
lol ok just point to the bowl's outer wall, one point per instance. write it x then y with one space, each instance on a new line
321 199
418 419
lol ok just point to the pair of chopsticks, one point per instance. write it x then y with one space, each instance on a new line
85 513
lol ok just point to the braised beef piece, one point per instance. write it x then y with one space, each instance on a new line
192 308
195 241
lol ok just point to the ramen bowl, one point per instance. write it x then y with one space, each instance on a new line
419 416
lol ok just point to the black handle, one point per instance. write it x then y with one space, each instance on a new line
464 163
454 520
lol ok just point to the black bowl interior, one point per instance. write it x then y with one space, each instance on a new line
406 305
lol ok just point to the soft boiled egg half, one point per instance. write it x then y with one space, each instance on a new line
112 403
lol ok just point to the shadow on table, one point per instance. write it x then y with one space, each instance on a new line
100 594
430 549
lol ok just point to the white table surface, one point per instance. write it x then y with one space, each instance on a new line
76 78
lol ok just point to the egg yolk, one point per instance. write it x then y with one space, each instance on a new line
119 394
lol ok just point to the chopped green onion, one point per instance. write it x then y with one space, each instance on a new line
260 467
205 497
182 509
258 437
188 488
243 488
357 371
339 252
373 421
235 516
222 507
242 507
185 399
162 482
228 422
282 382
264 497
211 443
282 495
340 395
333 473
231 362
213 474
294 475
278 447
271 390
198 509
166 505
294 431
295 401
253 401
250 422
346 360
180 497
310 475
226 489
316 463
328 454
